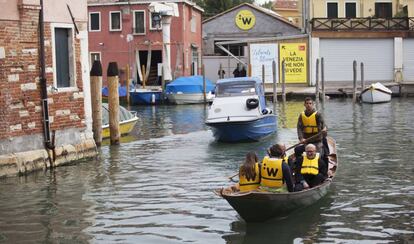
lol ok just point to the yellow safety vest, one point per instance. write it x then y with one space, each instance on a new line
252 184
309 123
271 172
310 166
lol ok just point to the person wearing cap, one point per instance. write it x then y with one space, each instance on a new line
275 172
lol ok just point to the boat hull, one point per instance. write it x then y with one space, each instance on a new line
261 206
188 98
145 97
375 96
125 127
252 130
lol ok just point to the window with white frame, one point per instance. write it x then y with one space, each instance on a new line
63 56
94 56
350 10
115 23
95 21
139 22
332 10
193 23
154 24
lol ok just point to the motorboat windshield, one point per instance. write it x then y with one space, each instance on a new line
236 88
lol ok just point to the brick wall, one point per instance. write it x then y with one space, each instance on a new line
20 99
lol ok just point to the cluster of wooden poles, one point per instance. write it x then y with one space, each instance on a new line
113 102
320 85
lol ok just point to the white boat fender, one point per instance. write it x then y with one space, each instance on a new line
153 98
252 103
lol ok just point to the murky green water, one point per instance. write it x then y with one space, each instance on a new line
158 189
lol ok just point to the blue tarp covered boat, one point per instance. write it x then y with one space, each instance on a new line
189 89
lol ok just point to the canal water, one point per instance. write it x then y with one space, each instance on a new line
157 186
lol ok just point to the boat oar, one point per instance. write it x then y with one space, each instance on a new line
306 141
287 149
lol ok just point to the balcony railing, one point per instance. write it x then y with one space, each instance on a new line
363 24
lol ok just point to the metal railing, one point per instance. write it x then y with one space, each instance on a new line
362 24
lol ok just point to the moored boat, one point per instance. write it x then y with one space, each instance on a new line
376 93
259 206
239 112
127 120
189 90
145 96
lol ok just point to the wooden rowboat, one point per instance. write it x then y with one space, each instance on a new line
255 206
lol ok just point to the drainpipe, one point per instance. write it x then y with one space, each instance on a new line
48 143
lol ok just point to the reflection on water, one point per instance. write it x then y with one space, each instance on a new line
157 187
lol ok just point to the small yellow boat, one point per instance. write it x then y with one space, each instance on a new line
127 119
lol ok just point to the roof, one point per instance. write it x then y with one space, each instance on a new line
258 8
131 2
286 4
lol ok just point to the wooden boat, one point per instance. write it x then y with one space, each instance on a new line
255 206
146 96
376 93
127 120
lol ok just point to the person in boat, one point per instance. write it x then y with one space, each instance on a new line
275 172
311 169
249 173
311 123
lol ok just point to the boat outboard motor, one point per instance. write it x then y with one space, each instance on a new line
252 103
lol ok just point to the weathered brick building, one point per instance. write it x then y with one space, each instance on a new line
22 130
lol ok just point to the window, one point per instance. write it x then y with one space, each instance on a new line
139 22
332 9
235 88
350 10
383 10
95 21
153 22
93 57
64 53
193 24
235 49
115 21
194 61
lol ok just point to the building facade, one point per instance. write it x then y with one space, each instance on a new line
27 141
377 33
237 27
127 32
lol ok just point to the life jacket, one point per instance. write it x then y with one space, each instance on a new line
310 166
309 123
252 184
271 172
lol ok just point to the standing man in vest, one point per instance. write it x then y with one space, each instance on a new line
310 123
312 170
275 172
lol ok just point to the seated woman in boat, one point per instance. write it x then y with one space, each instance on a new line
311 169
275 172
249 173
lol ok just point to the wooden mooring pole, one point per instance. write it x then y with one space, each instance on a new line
127 83
317 81
274 82
96 97
283 81
354 90
362 77
323 79
204 84
263 79
113 102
